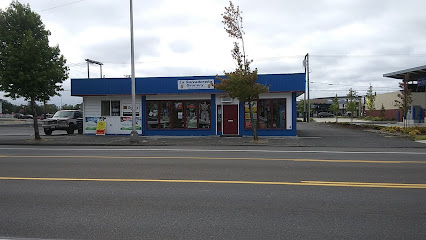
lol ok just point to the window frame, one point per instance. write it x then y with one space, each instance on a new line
110 106
270 115
171 104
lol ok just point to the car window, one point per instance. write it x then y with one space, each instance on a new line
63 114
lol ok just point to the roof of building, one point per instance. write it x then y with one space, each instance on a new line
169 85
415 73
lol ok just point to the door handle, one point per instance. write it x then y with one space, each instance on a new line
230 120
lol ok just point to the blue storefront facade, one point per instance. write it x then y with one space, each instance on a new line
187 106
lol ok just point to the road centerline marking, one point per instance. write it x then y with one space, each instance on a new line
301 183
226 158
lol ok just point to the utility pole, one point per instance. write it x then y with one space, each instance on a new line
92 62
133 134
306 64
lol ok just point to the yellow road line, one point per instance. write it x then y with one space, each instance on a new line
225 158
301 183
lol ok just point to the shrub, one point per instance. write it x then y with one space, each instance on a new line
414 132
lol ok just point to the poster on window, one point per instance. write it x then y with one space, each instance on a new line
126 123
91 123
127 109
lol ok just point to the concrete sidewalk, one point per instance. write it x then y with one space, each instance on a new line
322 135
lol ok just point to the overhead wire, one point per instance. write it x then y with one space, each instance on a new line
63 5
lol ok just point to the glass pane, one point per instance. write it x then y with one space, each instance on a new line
264 114
191 115
115 108
247 120
204 121
279 113
178 115
219 118
152 114
105 108
165 117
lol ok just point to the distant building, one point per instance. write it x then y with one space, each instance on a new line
417 84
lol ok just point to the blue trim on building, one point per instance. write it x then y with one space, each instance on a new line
168 85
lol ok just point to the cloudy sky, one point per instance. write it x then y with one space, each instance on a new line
351 43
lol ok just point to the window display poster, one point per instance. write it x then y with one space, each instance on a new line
126 123
100 127
91 122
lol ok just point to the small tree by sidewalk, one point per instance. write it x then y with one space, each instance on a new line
370 99
334 107
405 99
242 82
351 104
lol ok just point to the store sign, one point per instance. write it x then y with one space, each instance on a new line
196 84
127 109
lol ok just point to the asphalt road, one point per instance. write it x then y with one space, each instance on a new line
211 193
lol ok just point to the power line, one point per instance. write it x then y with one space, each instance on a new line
63 5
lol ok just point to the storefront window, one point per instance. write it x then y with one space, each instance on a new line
279 114
165 115
247 120
105 108
178 114
152 112
204 108
178 121
115 108
264 114
110 108
271 114
191 115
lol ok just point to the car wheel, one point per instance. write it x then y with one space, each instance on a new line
71 129
48 132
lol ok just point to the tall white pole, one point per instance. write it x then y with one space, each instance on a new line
309 101
133 134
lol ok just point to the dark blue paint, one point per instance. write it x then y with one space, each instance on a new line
168 85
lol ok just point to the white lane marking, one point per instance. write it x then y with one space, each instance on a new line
211 150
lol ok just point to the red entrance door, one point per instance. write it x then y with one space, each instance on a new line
230 119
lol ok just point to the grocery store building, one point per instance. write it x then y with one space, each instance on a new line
187 106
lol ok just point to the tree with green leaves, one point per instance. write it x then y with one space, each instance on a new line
351 104
382 112
242 82
405 99
334 107
370 99
29 67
